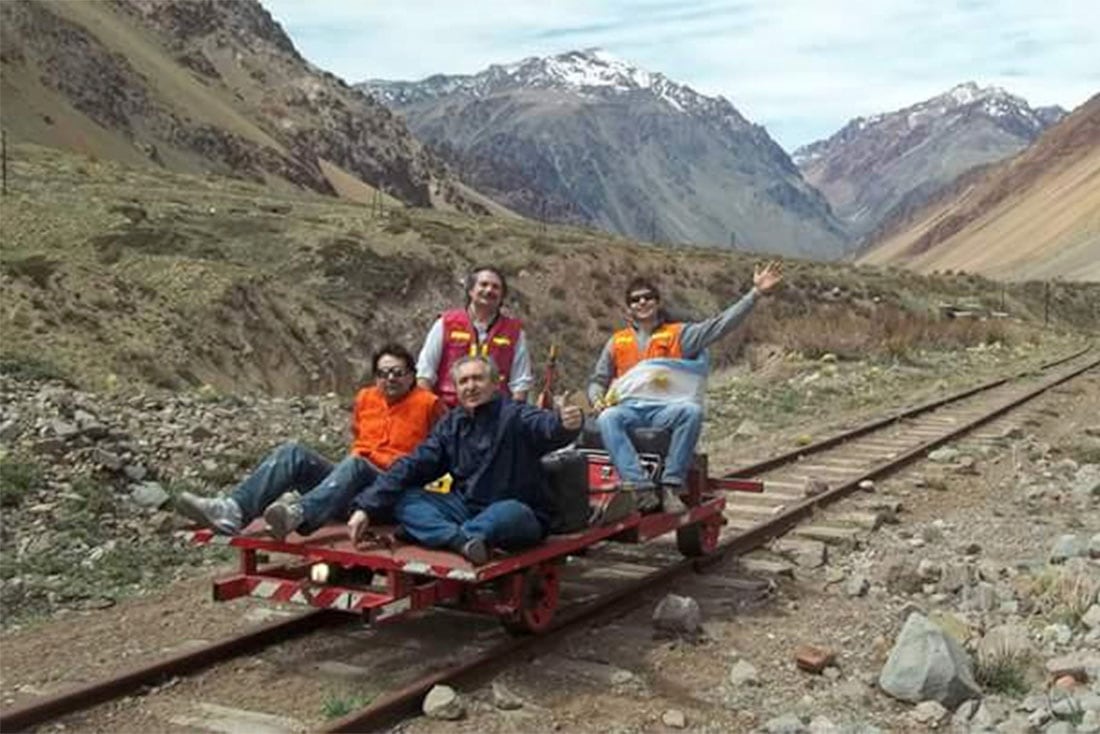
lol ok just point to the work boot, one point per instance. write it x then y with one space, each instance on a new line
283 518
670 499
220 514
475 551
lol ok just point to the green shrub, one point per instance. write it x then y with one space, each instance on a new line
18 478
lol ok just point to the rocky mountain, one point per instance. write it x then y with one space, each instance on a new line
1036 216
883 166
202 86
584 137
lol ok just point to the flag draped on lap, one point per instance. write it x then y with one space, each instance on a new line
662 380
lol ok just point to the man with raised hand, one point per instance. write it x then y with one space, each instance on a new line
651 335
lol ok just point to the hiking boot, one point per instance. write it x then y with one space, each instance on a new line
475 551
282 518
220 514
670 499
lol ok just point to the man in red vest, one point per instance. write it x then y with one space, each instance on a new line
482 330
390 419
652 335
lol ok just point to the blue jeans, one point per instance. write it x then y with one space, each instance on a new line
327 489
683 419
439 520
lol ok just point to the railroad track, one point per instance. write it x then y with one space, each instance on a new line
799 485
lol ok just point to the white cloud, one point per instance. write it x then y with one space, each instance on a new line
800 67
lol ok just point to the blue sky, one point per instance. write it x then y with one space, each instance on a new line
801 68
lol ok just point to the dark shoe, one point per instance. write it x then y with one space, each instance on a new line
475 551
283 519
220 514
649 501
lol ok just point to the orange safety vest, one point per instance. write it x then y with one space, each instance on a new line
663 342
383 432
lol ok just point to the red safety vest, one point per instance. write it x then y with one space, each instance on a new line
460 340
663 342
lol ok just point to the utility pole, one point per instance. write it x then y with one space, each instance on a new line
1046 303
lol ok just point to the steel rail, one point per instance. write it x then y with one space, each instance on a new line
405 701
874 425
65 702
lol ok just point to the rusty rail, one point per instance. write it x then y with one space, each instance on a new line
405 701
50 707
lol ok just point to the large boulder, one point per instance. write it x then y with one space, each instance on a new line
928 664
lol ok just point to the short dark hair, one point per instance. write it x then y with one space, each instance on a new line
639 284
392 349
471 278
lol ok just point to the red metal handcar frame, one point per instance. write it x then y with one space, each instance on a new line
520 589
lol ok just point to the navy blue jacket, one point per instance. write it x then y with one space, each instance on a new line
493 454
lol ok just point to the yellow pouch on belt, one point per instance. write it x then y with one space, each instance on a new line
441 485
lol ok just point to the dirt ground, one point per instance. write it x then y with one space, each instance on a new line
617 677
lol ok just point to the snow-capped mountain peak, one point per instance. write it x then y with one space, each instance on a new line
589 74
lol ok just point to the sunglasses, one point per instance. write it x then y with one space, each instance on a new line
639 297
392 373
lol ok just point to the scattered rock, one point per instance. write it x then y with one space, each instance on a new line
929 713
678 615
442 703
813 659
928 664
1067 546
149 494
743 673
674 719
944 455
867 485
785 724
857 586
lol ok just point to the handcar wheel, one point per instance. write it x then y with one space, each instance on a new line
537 603
698 539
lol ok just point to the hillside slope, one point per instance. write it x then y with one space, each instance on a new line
203 86
1035 216
117 276
586 138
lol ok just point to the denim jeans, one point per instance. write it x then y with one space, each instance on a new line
438 520
327 490
683 419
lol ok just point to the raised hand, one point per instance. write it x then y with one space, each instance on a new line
766 278
357 526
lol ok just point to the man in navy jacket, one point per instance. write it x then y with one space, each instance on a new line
491 446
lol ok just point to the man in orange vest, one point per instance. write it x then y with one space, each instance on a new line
389 420
651 335
480 329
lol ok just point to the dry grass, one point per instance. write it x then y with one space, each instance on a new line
886 331
1065 593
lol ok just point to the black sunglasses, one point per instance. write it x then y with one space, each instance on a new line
639 297
391 373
